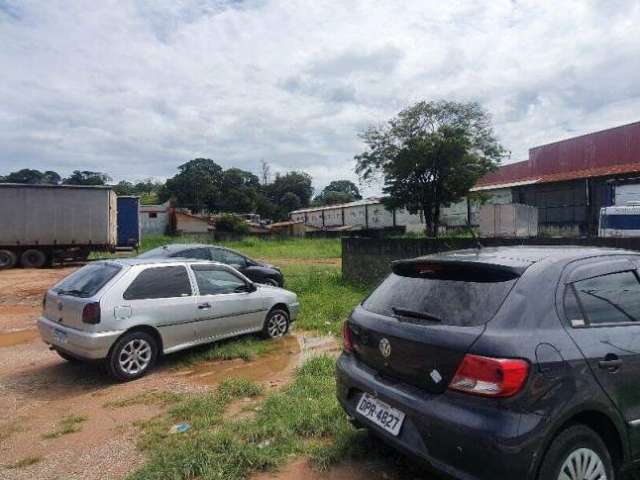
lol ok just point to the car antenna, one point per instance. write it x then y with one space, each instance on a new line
473 235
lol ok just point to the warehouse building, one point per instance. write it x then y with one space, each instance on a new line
570 180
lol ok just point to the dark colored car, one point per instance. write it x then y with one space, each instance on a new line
502 363
256 271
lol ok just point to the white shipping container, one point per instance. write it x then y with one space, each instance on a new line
511 220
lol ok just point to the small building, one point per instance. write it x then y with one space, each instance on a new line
290 228
189 223
154 219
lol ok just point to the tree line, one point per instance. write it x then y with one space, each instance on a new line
428 156
202 185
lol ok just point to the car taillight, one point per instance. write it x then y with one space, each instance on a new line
347 341
91 313
490 377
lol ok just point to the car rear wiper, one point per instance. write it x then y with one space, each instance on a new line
73 292
413 314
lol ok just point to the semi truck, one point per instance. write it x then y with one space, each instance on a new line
42 224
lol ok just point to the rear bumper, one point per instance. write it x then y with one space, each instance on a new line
85 345
463 436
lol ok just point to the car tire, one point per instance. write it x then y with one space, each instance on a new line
132 356
68 357
33 258
573 445
276 324
8 259
271 281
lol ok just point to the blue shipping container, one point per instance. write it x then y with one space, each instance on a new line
128 221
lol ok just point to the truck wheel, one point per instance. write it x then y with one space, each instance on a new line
8 259
33 258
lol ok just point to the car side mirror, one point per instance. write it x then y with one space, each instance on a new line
251 287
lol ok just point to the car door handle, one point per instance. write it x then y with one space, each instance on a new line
204 306
611 362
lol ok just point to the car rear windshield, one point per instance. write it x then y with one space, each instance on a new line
88 281
447 296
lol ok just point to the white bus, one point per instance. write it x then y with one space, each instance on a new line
619 221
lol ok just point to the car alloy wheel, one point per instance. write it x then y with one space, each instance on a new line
135 356
583 464
270 281
278 324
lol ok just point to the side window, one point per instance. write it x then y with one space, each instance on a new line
215 281
159 282
227 257
197 253
572 309
613 298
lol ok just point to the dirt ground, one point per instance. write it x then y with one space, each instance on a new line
38 389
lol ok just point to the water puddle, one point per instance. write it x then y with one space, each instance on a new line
9 339
276 366
345 471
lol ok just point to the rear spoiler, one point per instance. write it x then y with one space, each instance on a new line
461 270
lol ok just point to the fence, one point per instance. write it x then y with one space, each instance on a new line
366 260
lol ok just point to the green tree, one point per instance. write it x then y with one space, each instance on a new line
124 187
32 177
239 191
87 177
338 191
430 155
197 185
294 182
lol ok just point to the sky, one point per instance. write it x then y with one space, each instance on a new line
136 88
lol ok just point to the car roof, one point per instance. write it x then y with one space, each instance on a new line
519 258
129 262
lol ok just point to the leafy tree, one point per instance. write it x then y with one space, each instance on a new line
265 172
229 223
289 202
239 191
124 187
87 177
197 185
32 177
338 191
296 182
430 155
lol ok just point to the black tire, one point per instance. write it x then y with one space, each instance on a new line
8 259
68 357
570 441
271 281
121 351
276 324
33 258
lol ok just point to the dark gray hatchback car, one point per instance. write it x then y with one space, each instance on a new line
496 363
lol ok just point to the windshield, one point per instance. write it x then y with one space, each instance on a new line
87 281
442 301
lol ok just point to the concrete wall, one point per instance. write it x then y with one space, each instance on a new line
153 220
366 261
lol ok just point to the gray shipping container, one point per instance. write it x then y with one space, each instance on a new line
53 218
512 220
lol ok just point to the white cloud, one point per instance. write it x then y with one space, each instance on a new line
135 89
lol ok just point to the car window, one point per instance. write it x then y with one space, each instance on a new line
216 281
196 253
572 308
613 298
227 257
88 281
159 282
444 300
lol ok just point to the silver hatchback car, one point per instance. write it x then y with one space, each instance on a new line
130 311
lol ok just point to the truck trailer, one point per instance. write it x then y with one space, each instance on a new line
40 224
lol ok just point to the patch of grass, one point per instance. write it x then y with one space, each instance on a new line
68 424
305 410
25 462
149 397
325 298
246 348
260 248
9 429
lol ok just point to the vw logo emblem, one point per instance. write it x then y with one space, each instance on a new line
385 348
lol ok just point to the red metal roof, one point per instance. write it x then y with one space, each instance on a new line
608 152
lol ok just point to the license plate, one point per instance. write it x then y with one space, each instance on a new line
383 415
60 335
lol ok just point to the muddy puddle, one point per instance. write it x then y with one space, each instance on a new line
275 367
9 339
